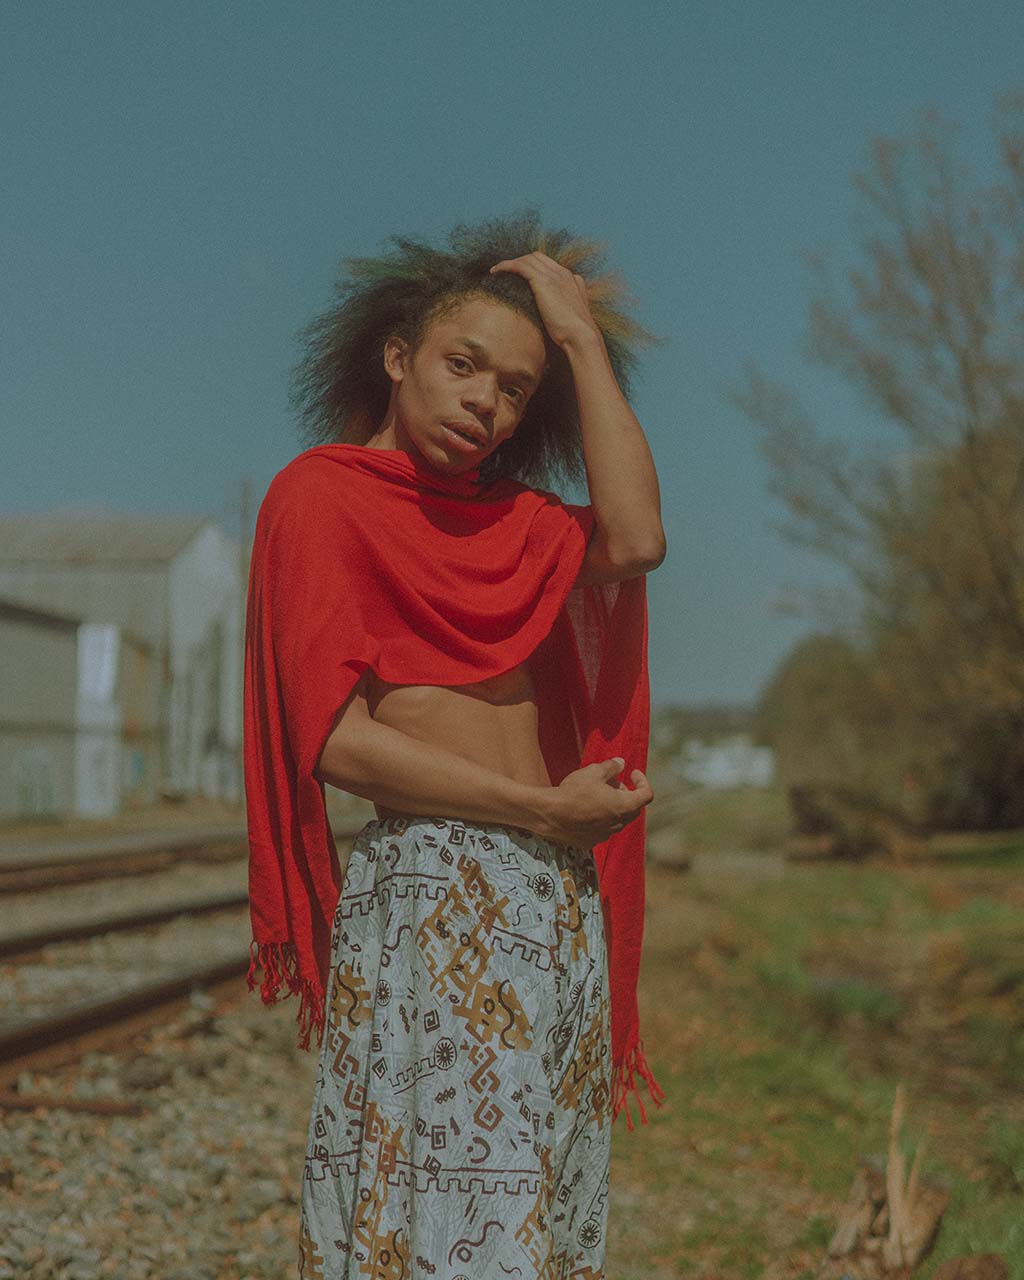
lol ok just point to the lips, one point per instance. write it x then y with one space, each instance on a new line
469 430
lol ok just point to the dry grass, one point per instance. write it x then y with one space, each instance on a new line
780 1011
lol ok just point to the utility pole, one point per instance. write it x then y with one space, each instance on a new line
243 509
245 555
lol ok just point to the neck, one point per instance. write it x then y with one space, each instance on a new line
410 465
394 439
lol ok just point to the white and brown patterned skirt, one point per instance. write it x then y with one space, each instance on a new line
461 1122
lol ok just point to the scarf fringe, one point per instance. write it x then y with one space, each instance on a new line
280 965
624 1082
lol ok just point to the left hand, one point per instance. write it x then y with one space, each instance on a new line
561 295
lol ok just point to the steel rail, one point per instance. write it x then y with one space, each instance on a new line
14 944
32 1034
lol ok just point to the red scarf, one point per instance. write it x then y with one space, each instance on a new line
370 558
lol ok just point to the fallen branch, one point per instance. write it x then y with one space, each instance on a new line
890 1221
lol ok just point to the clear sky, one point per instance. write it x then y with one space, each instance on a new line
180 181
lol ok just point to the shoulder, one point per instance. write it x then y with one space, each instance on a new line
319 465
552 520
305 500
312 474
569 512
539 498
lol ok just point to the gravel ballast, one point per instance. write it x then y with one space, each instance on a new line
35 984
204 1186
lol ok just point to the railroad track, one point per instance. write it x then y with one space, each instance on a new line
15 944
52 866
108 1019
27 1037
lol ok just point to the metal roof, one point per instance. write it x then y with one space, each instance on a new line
14 611
62 537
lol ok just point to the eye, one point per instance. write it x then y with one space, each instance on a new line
514 391
460 360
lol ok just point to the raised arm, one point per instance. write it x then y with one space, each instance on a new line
628 537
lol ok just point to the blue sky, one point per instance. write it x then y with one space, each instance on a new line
180 182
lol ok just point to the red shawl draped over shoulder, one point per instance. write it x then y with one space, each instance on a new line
370 558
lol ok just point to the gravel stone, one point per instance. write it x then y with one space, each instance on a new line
204 1185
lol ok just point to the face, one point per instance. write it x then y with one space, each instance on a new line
465 388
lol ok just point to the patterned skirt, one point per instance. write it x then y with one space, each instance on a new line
461 1120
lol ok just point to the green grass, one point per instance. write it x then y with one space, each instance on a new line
1003 849
736 817
779 1016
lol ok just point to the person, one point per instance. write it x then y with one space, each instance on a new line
461 1120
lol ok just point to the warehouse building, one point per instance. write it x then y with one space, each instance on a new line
121 661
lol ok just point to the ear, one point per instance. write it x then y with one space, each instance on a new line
396 351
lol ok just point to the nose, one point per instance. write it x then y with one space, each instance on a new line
482 395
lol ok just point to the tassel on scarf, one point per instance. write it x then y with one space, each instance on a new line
624 1083
279 963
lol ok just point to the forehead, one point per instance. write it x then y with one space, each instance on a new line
491 329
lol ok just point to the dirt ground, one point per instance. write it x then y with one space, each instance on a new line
781 1003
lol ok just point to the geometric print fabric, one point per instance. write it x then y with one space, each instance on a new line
461 1124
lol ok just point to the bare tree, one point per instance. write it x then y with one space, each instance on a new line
930 524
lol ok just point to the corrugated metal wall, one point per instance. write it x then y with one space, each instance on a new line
177 664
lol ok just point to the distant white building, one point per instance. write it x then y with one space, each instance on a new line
153 609
68 689
729 762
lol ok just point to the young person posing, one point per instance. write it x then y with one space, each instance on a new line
472 750
431 630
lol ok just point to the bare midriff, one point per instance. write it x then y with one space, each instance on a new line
491 722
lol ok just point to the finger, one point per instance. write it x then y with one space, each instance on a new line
524 263
633 801
525 266
641 785
543 262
